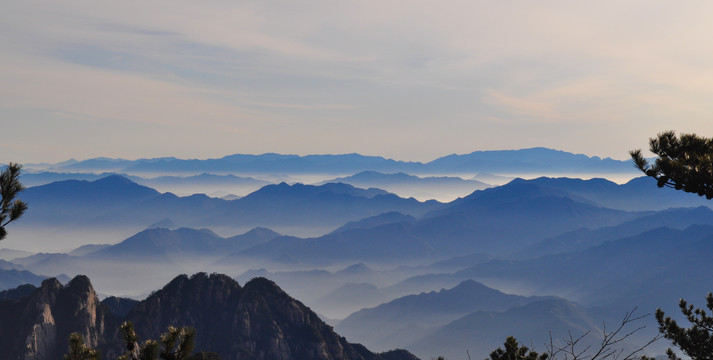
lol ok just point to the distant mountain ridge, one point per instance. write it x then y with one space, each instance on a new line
495 220
469 313
652 269
531 323
158 243
379 226
405 185
381 325
116 200
535 160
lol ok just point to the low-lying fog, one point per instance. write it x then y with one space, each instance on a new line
421 186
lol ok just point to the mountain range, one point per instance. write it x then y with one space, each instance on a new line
524 218
533 160
532 324
587 248
266 323
405 185
652 269
117 201
404 320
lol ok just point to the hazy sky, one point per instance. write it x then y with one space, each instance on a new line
411 80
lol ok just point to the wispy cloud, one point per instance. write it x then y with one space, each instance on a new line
323 76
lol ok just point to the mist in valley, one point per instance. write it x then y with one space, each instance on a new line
374 250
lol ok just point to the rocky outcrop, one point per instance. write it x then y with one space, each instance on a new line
257 321
37 326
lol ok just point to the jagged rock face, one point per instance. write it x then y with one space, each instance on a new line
257 321
37 327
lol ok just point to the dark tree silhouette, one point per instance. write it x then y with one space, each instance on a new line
685 162
513 351
10 208
697 341
176 344
80 351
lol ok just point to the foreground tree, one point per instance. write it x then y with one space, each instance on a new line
149 351
685 162
513 351
176 344
80 351
10 208
697 341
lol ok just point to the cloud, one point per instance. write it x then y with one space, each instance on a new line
321 76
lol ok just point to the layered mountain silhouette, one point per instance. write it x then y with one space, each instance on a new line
309 285
581 239
507 161
652 269
532 324
429 187
256 321
591 241
405 319
502 220
116 200
153 251
71 201
10 278
640 193
201 183
495 221
374 221
468 317
159 244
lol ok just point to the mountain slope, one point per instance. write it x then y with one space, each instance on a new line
534 160
71 201
402 321
640 193
429 187
115 201
493 221
257 322
374 221
484 331
679 218
10 278
502 219
651 269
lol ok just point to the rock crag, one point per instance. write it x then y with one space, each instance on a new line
258 321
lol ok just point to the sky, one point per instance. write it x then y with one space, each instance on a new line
408 80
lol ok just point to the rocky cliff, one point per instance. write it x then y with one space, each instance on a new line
257 321
37 326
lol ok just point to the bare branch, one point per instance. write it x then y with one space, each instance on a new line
610 347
